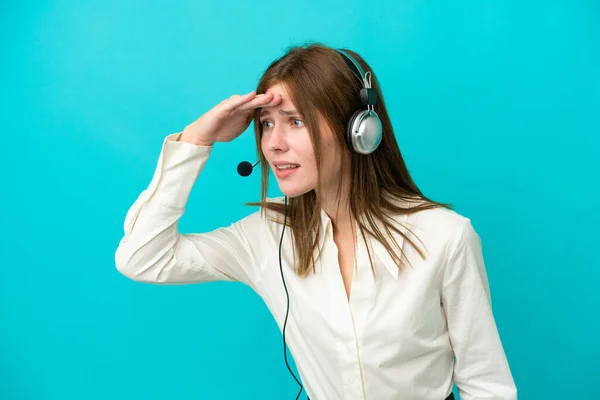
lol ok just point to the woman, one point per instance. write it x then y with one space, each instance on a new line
381 293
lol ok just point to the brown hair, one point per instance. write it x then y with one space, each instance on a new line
321 84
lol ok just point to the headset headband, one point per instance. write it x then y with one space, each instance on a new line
355 67
368 95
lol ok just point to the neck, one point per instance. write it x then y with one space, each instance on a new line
338 211
337 207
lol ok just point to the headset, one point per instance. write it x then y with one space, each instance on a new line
364 130
363 136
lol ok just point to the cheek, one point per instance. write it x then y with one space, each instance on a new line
304 148
331 165
331 154
264 147
263 143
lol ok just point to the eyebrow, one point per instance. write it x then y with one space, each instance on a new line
266 111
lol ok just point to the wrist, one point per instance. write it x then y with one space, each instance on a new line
195 141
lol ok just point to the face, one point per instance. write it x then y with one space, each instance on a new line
288 149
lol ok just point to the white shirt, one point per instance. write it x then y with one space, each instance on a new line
405 334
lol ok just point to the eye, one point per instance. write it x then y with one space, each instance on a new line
265 122
299 120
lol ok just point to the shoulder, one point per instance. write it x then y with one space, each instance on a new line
445 221
443 227
260 223
441 220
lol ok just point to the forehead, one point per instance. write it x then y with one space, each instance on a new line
283 91
285 107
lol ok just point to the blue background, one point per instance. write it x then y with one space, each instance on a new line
496 106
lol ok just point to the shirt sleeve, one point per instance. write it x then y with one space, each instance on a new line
153 251
481 368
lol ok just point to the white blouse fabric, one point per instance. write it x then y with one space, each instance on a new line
404 334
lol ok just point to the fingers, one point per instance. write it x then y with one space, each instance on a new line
236 100
250 101
262 100
277 99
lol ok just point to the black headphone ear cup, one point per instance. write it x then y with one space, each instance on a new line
351 129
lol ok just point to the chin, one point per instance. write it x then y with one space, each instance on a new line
293 191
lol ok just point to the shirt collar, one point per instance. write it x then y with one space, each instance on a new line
378 249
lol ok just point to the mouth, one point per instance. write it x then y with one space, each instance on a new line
284 167
285 170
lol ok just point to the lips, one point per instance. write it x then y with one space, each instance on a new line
283 167
284 162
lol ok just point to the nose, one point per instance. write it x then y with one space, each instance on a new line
276 140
